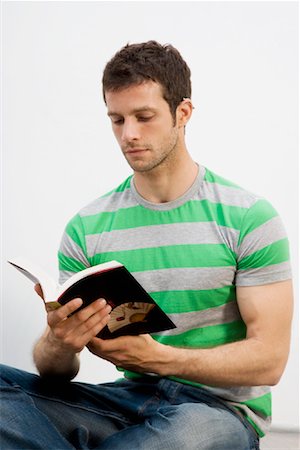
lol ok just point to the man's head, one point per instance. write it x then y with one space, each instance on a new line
150 61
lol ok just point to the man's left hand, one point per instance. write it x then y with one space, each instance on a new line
137 353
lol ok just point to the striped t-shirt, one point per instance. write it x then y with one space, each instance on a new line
189 254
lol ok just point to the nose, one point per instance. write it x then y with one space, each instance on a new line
130 131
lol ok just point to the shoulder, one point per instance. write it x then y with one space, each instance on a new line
112 201
74 246
237 202
227 192
262 249
120 197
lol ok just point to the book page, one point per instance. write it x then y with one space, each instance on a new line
84 273
38 276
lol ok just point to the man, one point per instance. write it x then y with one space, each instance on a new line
214 257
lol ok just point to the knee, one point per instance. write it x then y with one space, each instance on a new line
196 428
10 376
5 373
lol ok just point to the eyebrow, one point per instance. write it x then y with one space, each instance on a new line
135 111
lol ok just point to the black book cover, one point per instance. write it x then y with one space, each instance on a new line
133 309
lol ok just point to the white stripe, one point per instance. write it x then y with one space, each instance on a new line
264 235
214 192
240 393
109 203
228 195
69 248
186 278
264 275
199 319
64 275
187 233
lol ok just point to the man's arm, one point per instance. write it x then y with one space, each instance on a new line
57 351
259 359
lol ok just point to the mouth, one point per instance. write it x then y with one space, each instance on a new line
135 151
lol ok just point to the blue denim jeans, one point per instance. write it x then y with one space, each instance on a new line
148 414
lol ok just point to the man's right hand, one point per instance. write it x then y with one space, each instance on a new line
69 331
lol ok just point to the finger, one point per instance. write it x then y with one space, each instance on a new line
76 332
76 324
93 326
62 313
88 311
107 345
91 322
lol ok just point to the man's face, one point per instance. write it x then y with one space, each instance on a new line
143 125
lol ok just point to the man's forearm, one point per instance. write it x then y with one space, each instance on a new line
52 360
248 362
244 363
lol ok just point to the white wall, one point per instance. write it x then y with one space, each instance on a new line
58 149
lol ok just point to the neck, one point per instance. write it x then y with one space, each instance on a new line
167 183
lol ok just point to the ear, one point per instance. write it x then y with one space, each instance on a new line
183 112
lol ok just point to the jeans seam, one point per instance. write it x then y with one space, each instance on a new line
249 428
99 412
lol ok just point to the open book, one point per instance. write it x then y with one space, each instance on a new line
133 310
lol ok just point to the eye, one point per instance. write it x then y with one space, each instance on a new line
117 121
144 118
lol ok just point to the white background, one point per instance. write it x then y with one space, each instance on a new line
58 151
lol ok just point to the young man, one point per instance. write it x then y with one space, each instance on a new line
214 257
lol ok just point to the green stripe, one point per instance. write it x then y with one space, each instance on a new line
76 231
173 256
206 337
262 404
194 300
213 178
69 264
138 216
256 427
257 215
125 185
121 188
275 253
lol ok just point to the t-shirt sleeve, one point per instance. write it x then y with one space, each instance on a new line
72 254
263 247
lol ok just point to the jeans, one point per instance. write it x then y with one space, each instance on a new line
149 414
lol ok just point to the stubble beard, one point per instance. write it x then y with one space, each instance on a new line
163 158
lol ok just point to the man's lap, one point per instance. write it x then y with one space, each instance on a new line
152 413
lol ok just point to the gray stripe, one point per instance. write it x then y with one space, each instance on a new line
109 203
191 193
69 248
227 195
240 393
64 275
186 278
199 319
264 235
161 235
230 237
262 422
264 275
214 192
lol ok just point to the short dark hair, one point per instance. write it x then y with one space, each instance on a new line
137 63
